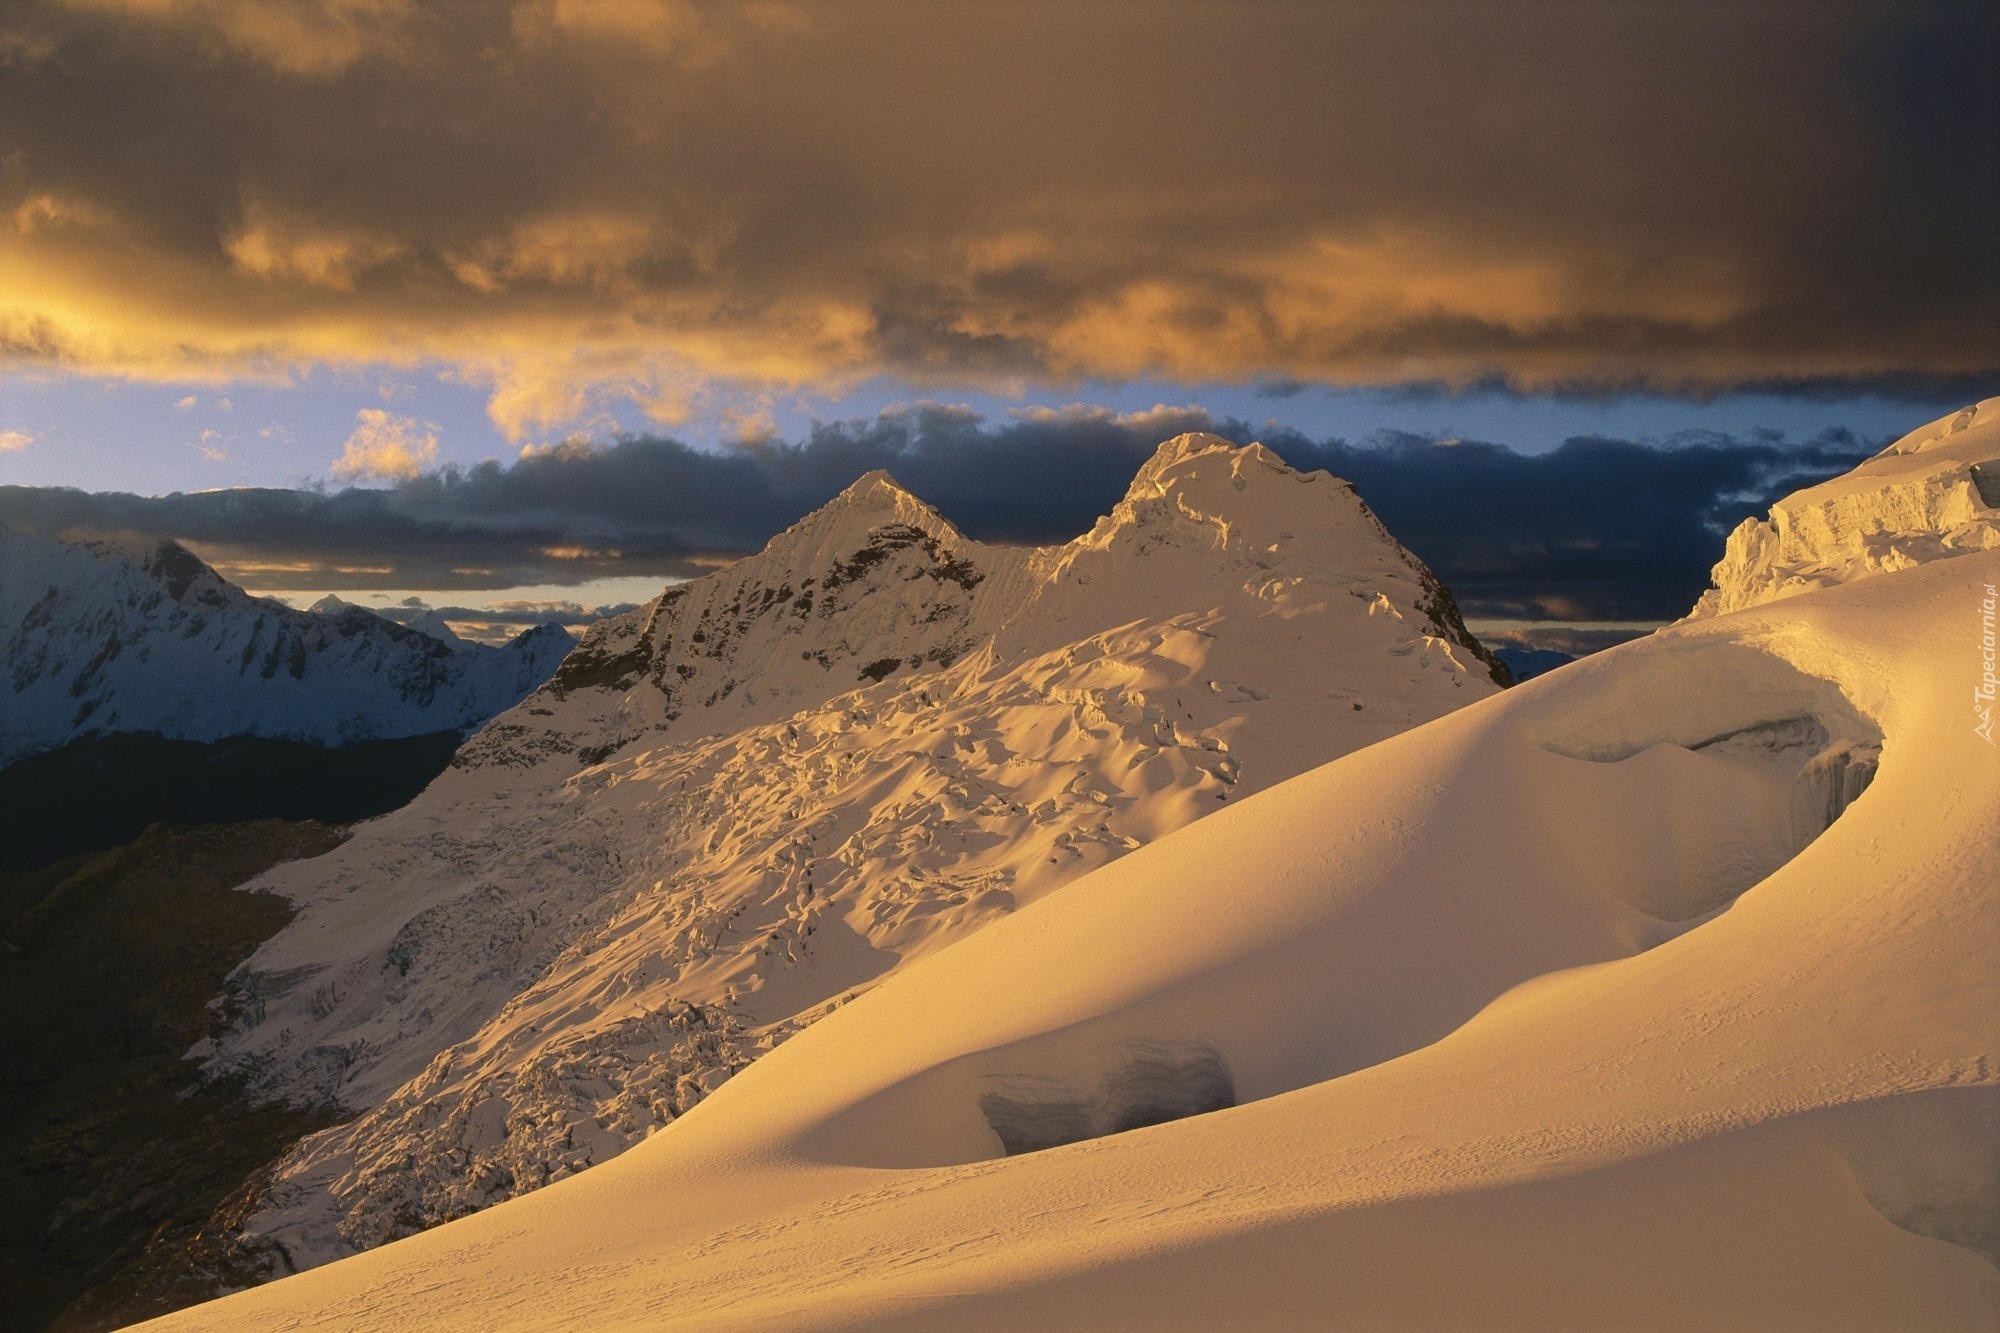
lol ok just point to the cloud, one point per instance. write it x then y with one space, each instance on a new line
387 447
501 621
1900 386
185 404
306 38
12 441
1578 198
1597 529
1575 641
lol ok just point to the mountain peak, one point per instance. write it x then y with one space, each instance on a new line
178 572
1173 455
875 486
873 500
548 631
1199 456
877 492
435 625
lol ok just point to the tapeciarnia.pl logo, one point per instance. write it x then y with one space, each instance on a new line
1982 694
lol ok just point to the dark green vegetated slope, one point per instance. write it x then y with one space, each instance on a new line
107 1140
104 790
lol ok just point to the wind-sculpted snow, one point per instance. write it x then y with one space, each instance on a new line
1561 1010
1604 822
734 810
1929 496
142 637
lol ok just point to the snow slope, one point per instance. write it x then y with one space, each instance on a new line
1932 494
140 636
735 809
1623 999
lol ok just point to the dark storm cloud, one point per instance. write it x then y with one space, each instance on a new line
597 200
1597 529
509 614
1900 387
1572 640
498 624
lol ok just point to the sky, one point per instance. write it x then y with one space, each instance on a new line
631 282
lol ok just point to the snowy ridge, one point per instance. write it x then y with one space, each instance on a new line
1934 493
873 583
141 636
1658 992
732 811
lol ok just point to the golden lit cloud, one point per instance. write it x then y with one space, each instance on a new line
279 249
386 447
642 31
43 211
13 441
582 204
752 426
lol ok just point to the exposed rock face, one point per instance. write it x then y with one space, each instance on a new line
1931 495
107 637
734 809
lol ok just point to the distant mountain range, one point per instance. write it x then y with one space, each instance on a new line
138 636
1527 663
139 685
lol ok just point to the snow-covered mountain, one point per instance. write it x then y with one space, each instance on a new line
1932 494
105 636
1663 991
1527 663
734 810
